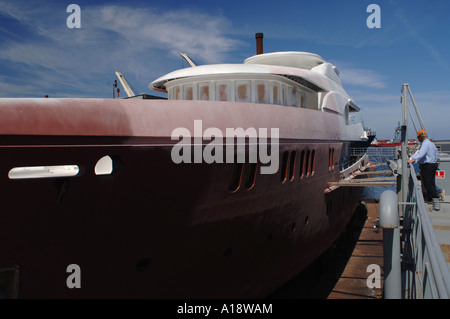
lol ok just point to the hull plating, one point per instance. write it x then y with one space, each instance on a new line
156 229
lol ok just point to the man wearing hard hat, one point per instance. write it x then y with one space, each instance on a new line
426 156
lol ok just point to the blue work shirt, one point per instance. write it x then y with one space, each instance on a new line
427 153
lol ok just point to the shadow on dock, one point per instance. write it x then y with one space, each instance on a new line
341 271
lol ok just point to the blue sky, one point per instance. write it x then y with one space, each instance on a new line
40 55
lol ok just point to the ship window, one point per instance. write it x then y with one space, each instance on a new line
203 89
262 91
178 92
222 91
283 95
188 92
277 98
293 96
30 172
290 99
296 96
292 167
243 91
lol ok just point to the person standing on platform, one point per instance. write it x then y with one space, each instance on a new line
426 156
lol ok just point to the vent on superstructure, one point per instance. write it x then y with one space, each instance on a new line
303 82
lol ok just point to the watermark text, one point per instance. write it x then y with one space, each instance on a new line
223 149
74 19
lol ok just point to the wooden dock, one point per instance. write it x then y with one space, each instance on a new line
368 250
341 272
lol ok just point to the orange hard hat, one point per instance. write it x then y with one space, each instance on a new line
421 132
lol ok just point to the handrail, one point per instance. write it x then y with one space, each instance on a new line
426 274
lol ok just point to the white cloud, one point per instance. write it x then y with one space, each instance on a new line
362 77
112 37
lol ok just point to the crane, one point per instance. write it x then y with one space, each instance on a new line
125 85
188 60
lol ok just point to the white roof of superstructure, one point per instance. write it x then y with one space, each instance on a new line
302 60
310 78
309 69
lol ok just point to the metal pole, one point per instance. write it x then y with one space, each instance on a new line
417 110
389 221
412 120
404 144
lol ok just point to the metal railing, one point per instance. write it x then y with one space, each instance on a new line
426 274
378 155
424 271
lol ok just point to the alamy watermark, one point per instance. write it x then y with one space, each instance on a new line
214 151
374 279
74 19
374 20
74 279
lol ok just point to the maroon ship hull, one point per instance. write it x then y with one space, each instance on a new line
153 228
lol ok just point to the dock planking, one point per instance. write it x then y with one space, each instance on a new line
368 250
341 271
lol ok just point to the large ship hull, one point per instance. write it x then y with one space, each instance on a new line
153 228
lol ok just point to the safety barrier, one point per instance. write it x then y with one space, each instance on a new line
424 271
